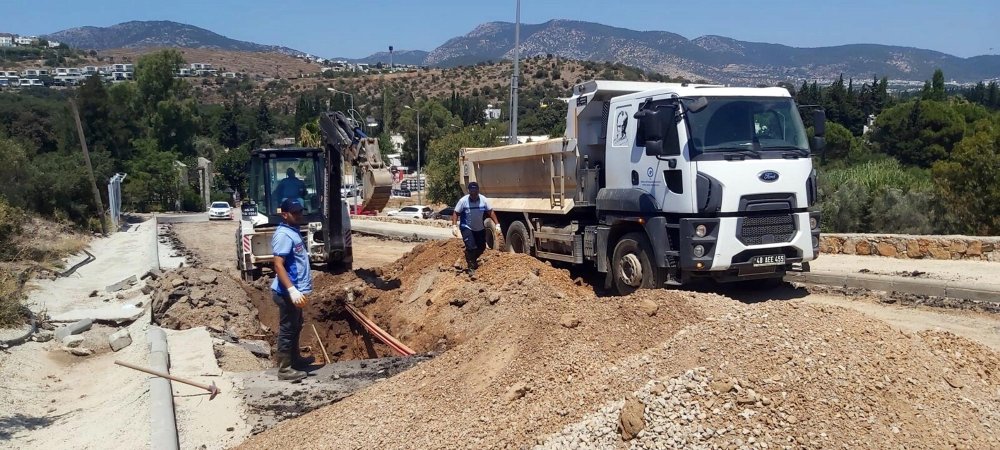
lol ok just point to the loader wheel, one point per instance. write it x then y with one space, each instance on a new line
633 265
517 238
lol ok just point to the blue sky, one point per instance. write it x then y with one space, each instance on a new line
358 28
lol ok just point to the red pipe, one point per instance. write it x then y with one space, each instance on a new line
379 333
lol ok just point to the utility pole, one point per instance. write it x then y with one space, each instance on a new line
419 183
90 168
512 139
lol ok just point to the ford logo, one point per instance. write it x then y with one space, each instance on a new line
768 176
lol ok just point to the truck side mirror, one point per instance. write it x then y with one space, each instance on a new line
657 130
818 143
819 123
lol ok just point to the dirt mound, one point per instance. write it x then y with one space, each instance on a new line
792 374
532 358
192 297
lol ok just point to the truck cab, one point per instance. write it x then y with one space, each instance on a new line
729 167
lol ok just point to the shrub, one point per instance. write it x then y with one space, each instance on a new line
11 298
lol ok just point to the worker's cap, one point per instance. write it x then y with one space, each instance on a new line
473 185
291 206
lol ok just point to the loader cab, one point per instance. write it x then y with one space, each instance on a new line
277 174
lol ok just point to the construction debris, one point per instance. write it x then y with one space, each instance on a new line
192 297
73 328
120 339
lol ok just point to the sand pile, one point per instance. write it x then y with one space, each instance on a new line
534 358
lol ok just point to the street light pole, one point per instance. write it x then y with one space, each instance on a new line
419 183
345 93
512 139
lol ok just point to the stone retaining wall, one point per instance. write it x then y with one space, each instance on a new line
902 246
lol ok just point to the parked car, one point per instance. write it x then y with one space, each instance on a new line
444 213
220 210
412 212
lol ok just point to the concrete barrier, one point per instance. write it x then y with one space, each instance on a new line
163 423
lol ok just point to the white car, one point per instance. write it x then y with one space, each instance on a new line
220 210
412 212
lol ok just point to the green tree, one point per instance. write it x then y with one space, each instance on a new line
442 159
152 182
919 132
154 75
969 182
233 166
839 142
435 121
934 90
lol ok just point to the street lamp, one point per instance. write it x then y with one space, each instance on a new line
420 185
342 92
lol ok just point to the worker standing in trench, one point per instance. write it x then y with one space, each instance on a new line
472 209
289 289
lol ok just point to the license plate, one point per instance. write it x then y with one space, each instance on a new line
768 260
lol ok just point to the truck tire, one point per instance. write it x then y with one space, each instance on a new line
633 266
518 240
491 241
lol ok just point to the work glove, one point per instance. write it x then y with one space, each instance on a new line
496 228
298 298
454 231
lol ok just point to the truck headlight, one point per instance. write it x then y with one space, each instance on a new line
699 251
813 223
700 230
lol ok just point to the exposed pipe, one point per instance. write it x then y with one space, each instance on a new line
378 332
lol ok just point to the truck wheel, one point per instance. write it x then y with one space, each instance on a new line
491 242
517 238
633 265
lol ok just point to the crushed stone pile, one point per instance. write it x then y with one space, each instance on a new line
531 357
195 297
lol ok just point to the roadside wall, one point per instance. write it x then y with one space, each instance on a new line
902 246
425 222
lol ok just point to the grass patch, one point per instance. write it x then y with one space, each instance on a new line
11 300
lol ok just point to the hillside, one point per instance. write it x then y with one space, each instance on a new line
160 33
716 58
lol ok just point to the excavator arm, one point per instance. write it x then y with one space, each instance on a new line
343 137
345 142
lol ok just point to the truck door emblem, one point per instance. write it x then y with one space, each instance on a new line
768 176
621 127
649 172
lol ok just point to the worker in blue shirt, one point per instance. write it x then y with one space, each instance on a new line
291 284
473 210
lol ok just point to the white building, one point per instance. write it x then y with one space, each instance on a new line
54 44
397 142
491 113
6 40
201 66
26 40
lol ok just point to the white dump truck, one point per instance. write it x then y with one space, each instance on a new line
659 184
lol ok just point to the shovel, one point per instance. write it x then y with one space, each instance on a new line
212 389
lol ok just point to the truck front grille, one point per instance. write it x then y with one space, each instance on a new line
759 230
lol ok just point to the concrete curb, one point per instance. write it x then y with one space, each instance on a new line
163 423
934 288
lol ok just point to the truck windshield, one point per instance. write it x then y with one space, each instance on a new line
734 124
